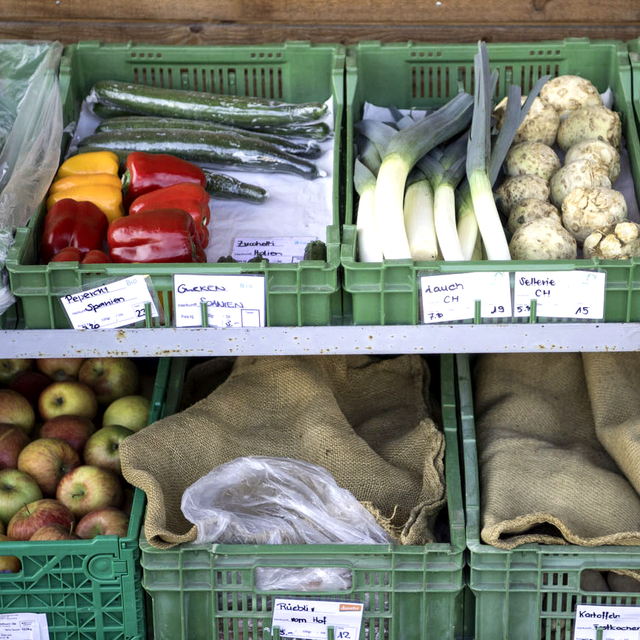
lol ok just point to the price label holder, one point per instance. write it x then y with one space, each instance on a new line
112 304
578 295
454 297
23 626
227 300
276 250
595 622
317 619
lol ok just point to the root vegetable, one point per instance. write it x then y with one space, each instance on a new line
587 210
540 124
617 242
590 123
517 188
543 239
597 151
532 158
531 209
581 173
568 93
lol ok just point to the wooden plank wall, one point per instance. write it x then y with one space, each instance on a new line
251 21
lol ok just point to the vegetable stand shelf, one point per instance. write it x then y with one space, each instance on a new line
463 338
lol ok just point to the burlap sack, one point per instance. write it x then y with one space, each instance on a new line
366 420
554 438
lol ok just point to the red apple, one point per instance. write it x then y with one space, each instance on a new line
103 447
30 384
12 441
110 378
103 522
16 490
67 398
72 429
54 532
15 409
46 460
8 564
89 488
60 369
11 367
35 515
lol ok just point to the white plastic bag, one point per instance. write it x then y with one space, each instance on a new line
30 137
260 500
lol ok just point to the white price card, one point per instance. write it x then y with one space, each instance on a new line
23 626
446 298
560 294
232 301
617 623
312 619
282 249
116 304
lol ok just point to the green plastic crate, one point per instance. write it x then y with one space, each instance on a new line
207 592
301 294
528 592
88 589
426 75
634 58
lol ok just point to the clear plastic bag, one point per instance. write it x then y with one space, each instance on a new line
260 500
307 579
30 136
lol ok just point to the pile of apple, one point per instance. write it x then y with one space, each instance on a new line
60 476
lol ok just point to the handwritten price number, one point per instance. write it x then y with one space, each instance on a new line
499 309
140 313
344 634
524 307
90 325
582 311
433 316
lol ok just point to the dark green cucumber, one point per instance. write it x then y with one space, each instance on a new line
316 130
219 148
307 149
109 111
225 187
199 105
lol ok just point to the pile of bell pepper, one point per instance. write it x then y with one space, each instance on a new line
161 217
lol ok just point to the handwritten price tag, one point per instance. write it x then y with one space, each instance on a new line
558 294
447 298
312 619
617 623
232 301
109 306
273 249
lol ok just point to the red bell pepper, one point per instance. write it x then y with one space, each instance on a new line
188 196
155 235
147 172
73 224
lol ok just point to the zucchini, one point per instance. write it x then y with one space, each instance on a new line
307 149
218 148
198 105
316 130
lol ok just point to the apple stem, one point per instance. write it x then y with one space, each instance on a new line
26 506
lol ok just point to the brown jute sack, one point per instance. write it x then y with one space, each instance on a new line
366 420
558 448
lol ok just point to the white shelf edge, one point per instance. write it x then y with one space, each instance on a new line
488 338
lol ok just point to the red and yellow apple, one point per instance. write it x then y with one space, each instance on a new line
35 515
15 409
88 488
67 398
103 447
103 522
131 412
16 490
8 564
54 532
30 384
110 378
72 429
11 367
12 441
46 460
60 369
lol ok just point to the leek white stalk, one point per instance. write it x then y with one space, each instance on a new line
418 218
467 228
403 152
369 249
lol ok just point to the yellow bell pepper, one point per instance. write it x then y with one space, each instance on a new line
106 197
91 162
80 180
